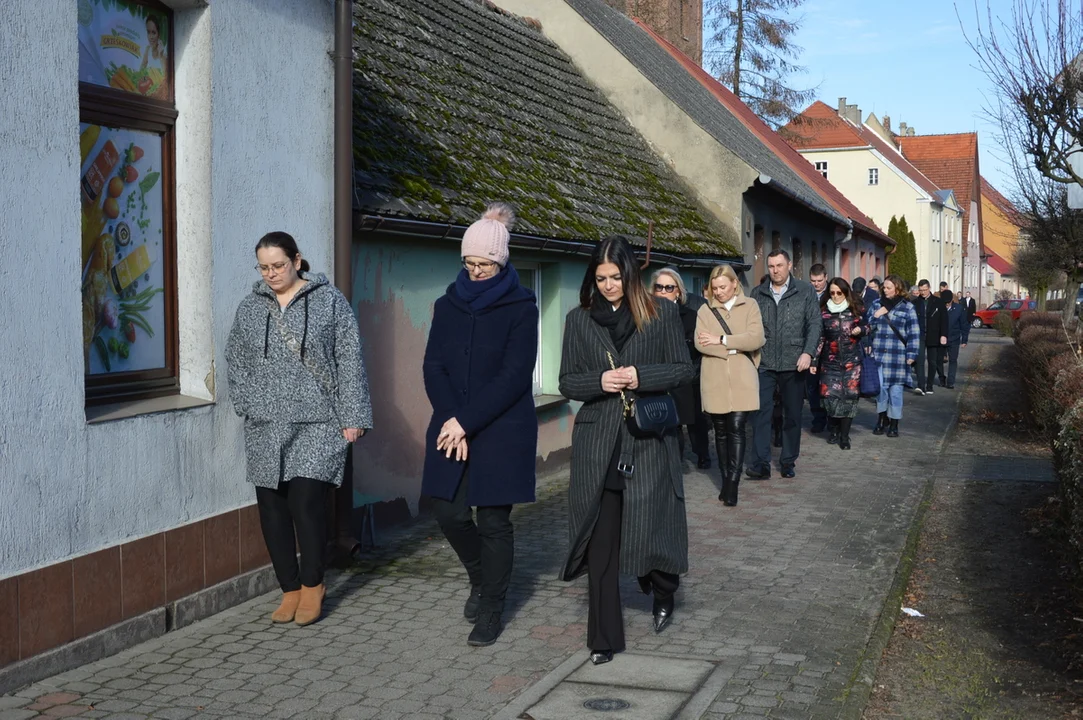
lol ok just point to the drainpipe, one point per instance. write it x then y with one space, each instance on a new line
838 247
342 517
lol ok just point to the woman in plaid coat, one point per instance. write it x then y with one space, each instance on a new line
895 338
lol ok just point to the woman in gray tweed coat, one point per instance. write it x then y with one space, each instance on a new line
297 378
626 495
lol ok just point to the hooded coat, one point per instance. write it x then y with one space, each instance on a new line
479 369
293 423
654 525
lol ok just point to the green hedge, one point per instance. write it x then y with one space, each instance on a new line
1053 376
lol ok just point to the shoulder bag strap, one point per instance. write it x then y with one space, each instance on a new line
718 316
895 330
321 376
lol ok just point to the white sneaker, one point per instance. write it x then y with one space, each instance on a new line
918 391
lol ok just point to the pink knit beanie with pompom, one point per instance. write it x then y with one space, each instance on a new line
489 236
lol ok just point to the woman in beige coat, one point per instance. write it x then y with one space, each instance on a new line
729 334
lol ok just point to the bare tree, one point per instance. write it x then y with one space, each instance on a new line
1054 230
752 52
1034 60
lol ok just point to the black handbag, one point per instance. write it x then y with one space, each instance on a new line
648 415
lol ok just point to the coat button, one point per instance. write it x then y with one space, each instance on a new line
466 351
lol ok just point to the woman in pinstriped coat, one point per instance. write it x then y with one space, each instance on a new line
626 496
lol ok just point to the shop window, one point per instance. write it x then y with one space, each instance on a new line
126 186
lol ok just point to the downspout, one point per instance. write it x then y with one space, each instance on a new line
342 516
838 247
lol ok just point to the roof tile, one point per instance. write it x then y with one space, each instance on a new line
951 161
457 104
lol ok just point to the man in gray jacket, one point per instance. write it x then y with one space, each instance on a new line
792 324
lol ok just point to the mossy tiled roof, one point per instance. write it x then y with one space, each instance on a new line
457 104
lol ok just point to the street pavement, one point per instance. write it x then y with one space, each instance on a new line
776 618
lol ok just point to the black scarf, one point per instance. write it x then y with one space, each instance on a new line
620 323
891 302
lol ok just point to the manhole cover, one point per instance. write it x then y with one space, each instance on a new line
606 704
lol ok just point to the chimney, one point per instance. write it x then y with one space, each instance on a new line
887 123
842 106
911 132
902 129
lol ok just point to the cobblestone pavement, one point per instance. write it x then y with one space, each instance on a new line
782 598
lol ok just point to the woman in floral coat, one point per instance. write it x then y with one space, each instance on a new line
895 338
838 358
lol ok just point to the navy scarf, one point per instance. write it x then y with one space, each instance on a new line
480 294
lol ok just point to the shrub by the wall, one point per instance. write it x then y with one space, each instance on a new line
1052 373
1003 323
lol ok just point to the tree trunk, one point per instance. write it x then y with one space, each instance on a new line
1071 289
738 48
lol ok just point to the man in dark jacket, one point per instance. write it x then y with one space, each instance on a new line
934 329
817 277
970 305
792 324
958 323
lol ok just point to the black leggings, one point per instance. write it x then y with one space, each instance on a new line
297 505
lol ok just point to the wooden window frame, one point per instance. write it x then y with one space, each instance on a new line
111 107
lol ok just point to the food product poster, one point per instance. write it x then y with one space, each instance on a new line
122 44
120 190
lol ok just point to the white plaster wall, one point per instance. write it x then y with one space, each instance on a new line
714 174
254 154
848 170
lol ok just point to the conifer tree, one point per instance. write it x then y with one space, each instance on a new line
904 261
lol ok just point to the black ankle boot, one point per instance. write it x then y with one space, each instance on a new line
881 424
893 429
470 610
844 433
833 438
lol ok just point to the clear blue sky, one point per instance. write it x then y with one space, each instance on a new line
907 60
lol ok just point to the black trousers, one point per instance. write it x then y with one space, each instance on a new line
792 389
605 619
936 357
953 361
919 364
815 402
295 506
698 433
486 548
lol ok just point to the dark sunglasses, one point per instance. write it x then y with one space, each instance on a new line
664 288
838 293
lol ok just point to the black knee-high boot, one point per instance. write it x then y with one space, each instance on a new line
719 424
833 437
844 432
735 456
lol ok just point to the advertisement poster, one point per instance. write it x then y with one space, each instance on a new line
122 45
123 268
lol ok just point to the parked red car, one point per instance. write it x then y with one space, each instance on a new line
984 318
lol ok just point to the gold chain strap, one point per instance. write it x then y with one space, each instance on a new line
623 398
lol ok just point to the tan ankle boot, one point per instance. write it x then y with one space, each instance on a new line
288 608
308 610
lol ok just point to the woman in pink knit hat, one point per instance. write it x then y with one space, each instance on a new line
482 440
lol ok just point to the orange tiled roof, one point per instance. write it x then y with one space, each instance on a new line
999 264
819 127
774 141
951 161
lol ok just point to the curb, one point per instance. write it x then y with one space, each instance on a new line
855 697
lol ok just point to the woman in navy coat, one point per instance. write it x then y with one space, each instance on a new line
482 440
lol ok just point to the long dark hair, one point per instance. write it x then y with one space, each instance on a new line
851 297
284 242
617 250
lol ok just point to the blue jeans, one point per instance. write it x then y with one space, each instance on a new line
890 399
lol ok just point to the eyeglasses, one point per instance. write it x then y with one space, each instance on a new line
478 266
837 293
275 268
664 288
